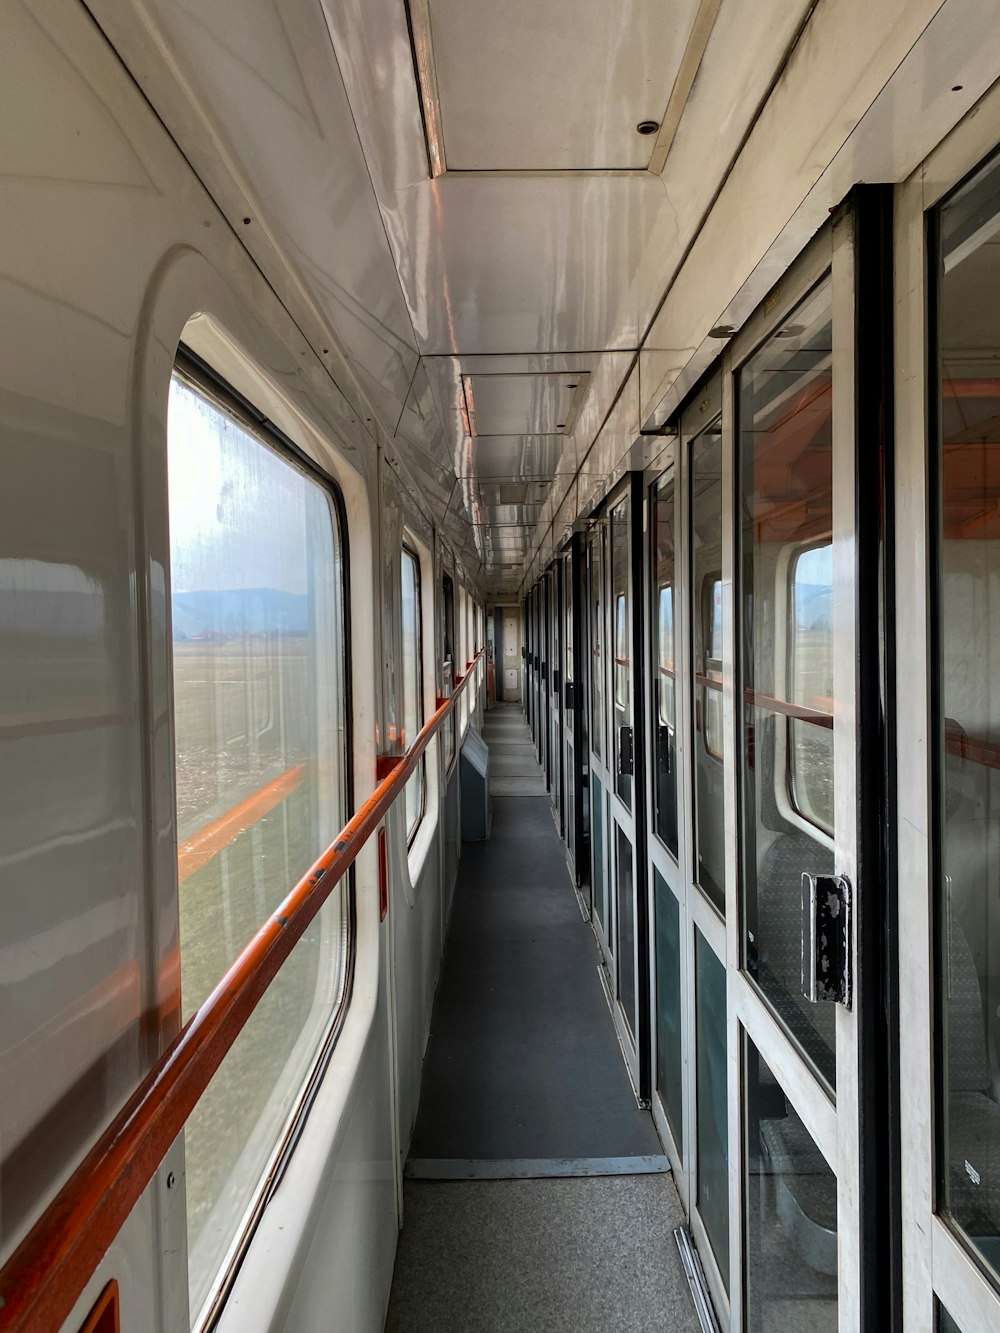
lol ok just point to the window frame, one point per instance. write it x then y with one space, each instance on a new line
408 552
200 377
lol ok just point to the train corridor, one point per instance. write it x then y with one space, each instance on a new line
536 1193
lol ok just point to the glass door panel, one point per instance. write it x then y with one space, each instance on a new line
621 629
705 602
600 778
626 945
968 713
712 1100
598 869
786 568
555 691
665 790
791 1215
621 756
669 1041
947 624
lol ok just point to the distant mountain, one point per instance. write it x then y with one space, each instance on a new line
225 613
814 606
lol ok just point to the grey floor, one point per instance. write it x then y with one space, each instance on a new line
523 1076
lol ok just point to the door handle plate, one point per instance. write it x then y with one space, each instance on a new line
826 938
626 758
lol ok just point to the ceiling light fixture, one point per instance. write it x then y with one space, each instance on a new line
648 126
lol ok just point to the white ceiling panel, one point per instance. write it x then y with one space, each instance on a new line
536 404
513 457
560 85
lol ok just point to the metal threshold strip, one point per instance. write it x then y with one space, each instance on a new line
696 1281
532 1168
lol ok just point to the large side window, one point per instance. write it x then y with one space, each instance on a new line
259 677
413 702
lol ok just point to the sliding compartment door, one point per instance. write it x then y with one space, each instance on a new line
948 686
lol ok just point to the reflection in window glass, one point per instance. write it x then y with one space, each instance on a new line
669 1062
968 670
258 670
413 709
621 653
705 480
664 669
712 1100
622 648
786 481
791 1221
810 632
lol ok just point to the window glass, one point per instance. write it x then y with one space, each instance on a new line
568 585
259 716
600 898
705 481
786 565
968 717
664 667
712 1100
625 888
413 709
945 1323
597 642
669 1050
622 630
791 1217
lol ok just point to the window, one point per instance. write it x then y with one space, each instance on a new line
810 669
259 677
413 703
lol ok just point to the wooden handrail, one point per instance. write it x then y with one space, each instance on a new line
46 1274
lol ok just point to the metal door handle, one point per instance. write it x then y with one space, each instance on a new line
826 938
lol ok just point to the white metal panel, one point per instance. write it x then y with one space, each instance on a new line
869 114
91 323
255 98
